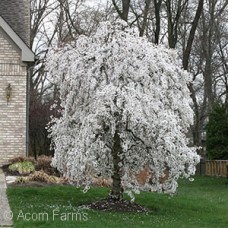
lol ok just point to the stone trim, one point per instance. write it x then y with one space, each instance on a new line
27 54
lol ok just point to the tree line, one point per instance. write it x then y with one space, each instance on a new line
196 29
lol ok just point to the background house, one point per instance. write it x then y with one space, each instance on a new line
15 57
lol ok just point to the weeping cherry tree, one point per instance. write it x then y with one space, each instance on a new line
125 106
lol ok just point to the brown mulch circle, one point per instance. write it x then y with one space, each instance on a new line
115 205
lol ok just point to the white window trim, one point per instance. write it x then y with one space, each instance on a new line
27 54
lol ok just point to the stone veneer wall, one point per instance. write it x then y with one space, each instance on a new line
13 114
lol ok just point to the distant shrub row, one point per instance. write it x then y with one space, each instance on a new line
217 133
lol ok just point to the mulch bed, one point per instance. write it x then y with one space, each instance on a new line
114 205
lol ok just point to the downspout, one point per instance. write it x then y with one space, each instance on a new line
30 66
27 106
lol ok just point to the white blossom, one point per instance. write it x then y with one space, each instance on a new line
113 81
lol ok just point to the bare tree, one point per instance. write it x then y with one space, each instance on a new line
221 80
122 7
196 29
206 62
174 10
53 23
157 8
41 39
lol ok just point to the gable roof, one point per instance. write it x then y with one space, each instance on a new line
27 54
17 14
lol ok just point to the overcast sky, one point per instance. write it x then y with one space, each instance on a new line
96 2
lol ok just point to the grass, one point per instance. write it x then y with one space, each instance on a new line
201 203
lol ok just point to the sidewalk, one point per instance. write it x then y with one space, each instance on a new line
5 212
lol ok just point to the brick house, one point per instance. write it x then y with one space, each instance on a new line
15 57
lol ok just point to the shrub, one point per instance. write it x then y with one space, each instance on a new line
22 159
24 167
217 132
22 180
44 163
41 176
41 163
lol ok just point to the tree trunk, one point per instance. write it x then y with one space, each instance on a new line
145 15
186 54
117 190
157 7
125 9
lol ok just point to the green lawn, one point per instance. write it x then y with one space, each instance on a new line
201 203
